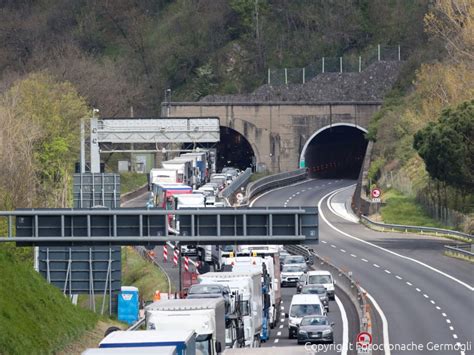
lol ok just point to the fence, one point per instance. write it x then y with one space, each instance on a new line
347 64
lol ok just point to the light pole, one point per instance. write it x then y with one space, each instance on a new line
168 101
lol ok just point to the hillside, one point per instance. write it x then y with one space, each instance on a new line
35 317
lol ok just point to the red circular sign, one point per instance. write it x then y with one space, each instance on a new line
376 193
364 338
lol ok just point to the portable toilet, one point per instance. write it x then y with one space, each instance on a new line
128 304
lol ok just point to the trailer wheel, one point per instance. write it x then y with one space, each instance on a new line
111 330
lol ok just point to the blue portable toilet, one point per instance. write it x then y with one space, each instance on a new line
128 304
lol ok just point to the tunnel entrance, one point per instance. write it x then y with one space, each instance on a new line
335 152
234 150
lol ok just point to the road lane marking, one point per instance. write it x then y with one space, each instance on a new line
398 277
278 334
354 256
409 283
444 314
386 340
418 289
425 295
448 321
281 326
279 188
433 302
376 265
343 250
365 260
387 271
282 307
323 241
451 327
282 320
455 336
438 308
283 313
276 340
333 193
333 246
345 327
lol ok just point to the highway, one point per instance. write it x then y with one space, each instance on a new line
425 299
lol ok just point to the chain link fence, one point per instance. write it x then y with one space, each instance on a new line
344 64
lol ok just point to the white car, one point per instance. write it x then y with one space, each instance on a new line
302 305
290 274
319 277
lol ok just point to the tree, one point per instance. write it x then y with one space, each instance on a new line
447 147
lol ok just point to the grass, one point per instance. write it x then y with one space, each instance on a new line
460 256
131 181
141 273
35 317
256 176
402 209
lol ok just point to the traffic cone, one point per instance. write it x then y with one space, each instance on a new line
157 296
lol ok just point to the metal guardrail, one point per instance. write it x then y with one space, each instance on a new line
465 249
240 181
136 325
273 181
419 229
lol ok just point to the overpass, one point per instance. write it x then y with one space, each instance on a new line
283 135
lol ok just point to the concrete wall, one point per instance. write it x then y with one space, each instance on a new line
278 131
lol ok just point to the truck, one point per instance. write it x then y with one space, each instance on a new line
205 316
184 170
258 265
202 164
160 176
274 270
162 194
183 339
248 285
195 172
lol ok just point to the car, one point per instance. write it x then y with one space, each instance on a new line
317 290
283 255
315 329
319 277
290 274
294 260
301 306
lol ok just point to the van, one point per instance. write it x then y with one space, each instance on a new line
302 305
318 277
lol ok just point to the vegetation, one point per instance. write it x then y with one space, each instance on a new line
131 181
141 273
35 317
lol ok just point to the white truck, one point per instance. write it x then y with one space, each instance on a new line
205 316
160 176
248 285
184 170
183 339
271 257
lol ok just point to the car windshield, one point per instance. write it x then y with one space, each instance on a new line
200 289
319 279
313 290
314 321
301 310
292 268
294 260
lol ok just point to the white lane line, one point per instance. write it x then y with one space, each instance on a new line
279 188
282 320
451 327
333 246
409 283
278 334
387 271
282 307
418 289
386 340
343 250
365 260
345 327
455 336
376 265
283 314
323 241
438 308
276 340
398 277
444 314
425 295
281 326
354 256
432 302
448 321
328 203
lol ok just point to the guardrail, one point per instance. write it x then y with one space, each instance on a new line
344 281
144 254
273 181
418 229
462 249
136 325
240 181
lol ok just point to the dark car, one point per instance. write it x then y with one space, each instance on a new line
317 290
315 329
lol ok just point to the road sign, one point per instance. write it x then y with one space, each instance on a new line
376 193
240 196
302 164
376 200
363 342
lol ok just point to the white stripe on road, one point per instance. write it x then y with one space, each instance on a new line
343 250
279 188
328 203
438 308
376 265
448 321
418 289
386 341
345 327
276 340
354 256
444 314
281 326
365 260
323 241
398 277
409 283
387 271
278 334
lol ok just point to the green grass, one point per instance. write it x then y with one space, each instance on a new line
402 209
256 176
131 181
140 273
35 317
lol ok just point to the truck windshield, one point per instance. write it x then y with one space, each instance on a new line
301 310
203 344
244 308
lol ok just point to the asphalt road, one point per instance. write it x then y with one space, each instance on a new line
426 298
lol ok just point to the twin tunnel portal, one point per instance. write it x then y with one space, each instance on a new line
332 152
